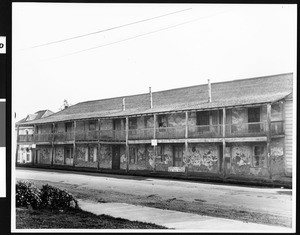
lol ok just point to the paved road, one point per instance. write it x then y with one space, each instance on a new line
258 199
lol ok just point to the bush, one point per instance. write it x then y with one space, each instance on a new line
27 195
55 198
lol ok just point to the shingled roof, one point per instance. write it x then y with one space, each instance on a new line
33 117
224 94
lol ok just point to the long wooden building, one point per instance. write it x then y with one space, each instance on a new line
240 127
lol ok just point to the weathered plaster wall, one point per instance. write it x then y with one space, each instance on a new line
238 117
82 157
276 112
202 158
79 126
277 157
59 155
242 158
176 119
141 123
60 127
123 160
105 156
149 121
141 158
44 155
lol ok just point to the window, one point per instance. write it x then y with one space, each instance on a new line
160 153
254 116
68 127
259 157
92 125
133 123
203 120
162 121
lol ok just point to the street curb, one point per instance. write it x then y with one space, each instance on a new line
214 178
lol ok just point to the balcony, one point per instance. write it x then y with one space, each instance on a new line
170 132
116 135
87 136
43 137
64 136
25 138
245 129
208 131
138 134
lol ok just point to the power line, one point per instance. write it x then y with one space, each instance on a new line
109 29
126 39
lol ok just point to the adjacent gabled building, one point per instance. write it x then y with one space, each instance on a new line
239 127
25 138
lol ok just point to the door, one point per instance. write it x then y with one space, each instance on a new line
69 156
254 116
177 155
116 157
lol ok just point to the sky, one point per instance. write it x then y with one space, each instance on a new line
82 52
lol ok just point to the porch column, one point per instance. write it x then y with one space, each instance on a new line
154 137
268 132
98 147
17 145
223 141
186 147
74 144
127 146
52 148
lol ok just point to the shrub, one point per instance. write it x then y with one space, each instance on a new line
27 195
55 198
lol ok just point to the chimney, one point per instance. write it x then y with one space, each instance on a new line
209 91
151 101
123 105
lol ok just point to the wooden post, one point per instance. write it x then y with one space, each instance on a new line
98 155
74 144
52 148
154 137
268 132
17 147
127 146
186 148
223 141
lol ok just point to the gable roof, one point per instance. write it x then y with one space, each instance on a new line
37 115
224 94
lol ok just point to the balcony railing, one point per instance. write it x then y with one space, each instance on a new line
43 137
88 135
137 134
170 132
25 138
205 131
118 135
64 136
245 129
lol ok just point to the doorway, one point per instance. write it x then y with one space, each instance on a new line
116 157
177 155
254 117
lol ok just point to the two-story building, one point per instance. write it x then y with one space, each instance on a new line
24 151
239 127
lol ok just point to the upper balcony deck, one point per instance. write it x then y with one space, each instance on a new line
176 132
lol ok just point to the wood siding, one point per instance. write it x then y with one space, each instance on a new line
288 136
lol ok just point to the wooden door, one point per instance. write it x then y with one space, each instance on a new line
68 156
177 155
115 157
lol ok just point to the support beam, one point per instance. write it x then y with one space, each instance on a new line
126 143
268 132
223 141
98 155
154 137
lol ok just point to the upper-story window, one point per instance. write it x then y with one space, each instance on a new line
133 123
202 118
68 126
162 120
92 125
254 116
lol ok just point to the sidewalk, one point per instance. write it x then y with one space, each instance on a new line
175 219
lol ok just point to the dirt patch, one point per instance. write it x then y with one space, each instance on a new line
285 192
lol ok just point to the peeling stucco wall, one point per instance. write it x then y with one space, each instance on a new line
241 154
141 163
105 156
44 155
277 157
106 124
239 116
81 156
123 160
176 119
202 158
59 155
